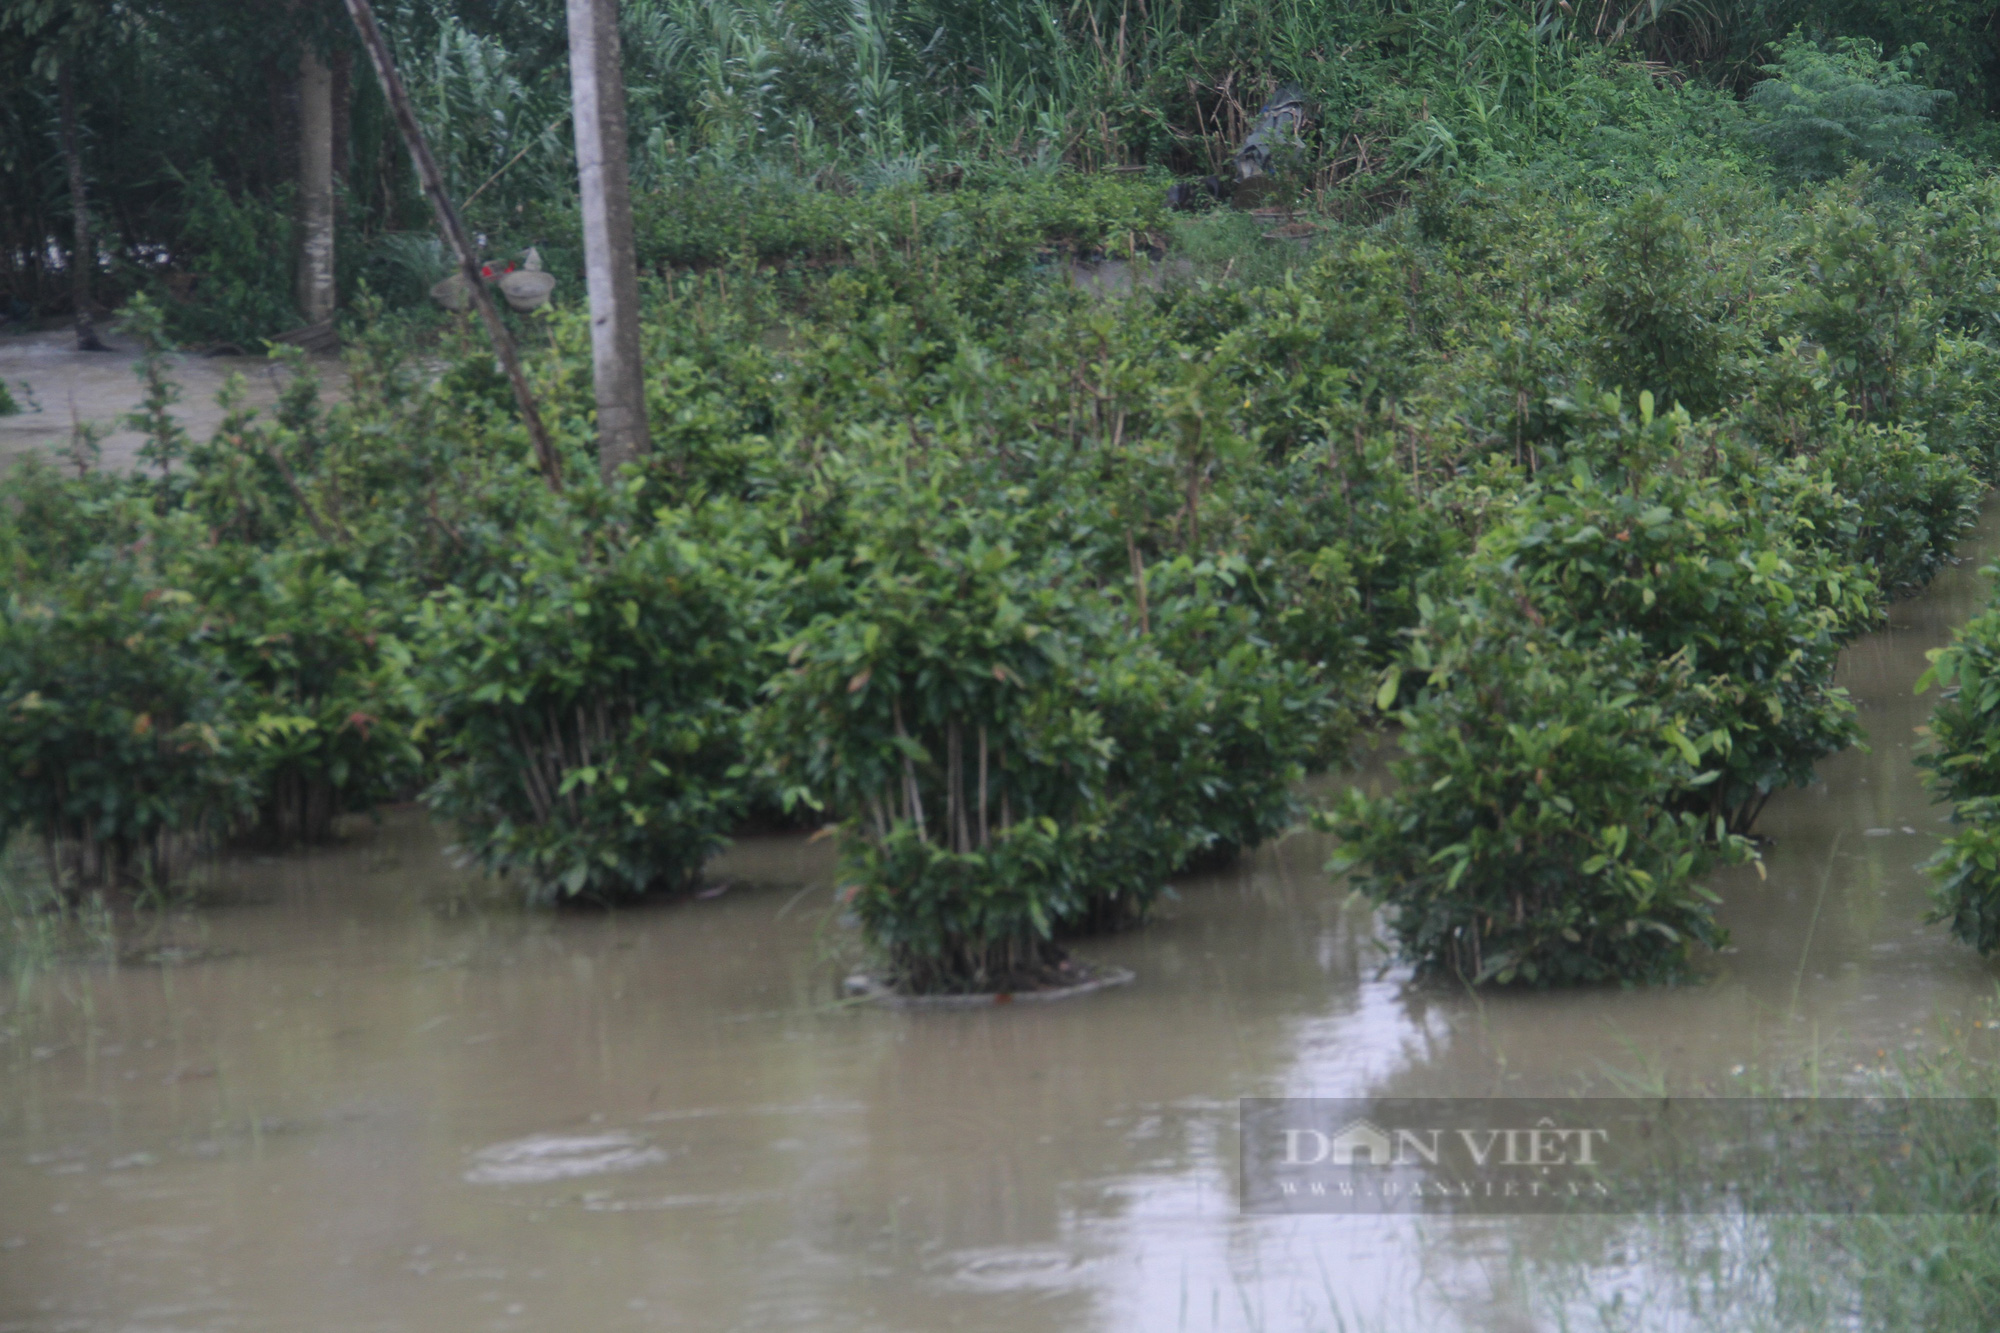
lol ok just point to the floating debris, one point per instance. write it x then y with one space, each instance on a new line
1082 979
1186 196
173 955
545 1157
1280 124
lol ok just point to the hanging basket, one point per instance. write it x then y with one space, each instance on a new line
527 290
453 293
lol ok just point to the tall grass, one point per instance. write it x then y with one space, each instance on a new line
495 128
40 925
1737 1274
1093 82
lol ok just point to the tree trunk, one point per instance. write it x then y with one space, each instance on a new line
316 295
343 118
611 268
83 252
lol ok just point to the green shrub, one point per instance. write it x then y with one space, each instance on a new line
1338 331
1962 767
1537 831
1861 302
1011 752
1660 326
119 724
1963 760
1213 725
50 522
1910 495
709 429
1819 111
967 922
236 253
1337 539
1958 403
587 699
1793 400
326 700
1960 256
940 715
1708 570
1913 504
245 480
1966 874
705 214
402 266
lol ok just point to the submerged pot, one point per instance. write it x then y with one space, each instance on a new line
1091 979
527 290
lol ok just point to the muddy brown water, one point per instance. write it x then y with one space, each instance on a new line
58 387
366 1097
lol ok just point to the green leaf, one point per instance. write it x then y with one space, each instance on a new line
1385 694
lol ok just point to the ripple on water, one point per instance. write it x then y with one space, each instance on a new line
544 1157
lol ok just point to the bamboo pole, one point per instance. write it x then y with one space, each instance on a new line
454 229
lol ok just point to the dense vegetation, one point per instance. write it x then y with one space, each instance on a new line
756 124
1963 764
1595 411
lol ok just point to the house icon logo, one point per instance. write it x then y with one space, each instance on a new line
1360 1141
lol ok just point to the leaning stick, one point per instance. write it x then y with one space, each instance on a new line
454 230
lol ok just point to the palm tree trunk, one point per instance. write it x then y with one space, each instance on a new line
343 120
610 261
316 294
83 252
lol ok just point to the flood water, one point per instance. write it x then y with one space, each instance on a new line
357 1095
60 388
